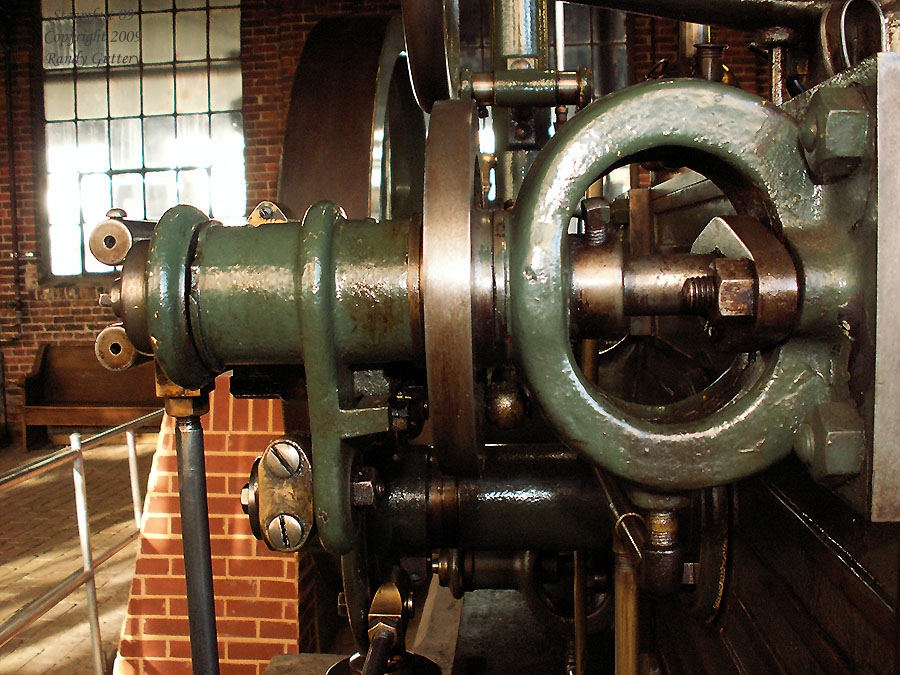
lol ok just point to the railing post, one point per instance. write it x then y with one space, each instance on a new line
133 474
84 537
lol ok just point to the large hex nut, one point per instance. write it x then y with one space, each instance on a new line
832 442
736 288
834 133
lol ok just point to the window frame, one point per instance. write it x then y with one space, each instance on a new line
91 278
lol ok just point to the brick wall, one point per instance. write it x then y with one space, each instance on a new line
653 39
256 589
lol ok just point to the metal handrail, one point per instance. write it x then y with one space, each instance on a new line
14 477
30 612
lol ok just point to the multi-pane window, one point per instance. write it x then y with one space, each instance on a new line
142 102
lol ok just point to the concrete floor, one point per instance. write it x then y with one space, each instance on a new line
39 546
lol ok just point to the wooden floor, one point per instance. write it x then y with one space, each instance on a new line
39 546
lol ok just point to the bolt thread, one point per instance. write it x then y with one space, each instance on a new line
597 235
699 293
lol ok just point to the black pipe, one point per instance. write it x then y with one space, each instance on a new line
379 653
528 497
195 539
804 14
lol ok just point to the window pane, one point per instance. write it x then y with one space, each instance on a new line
190 36
63 200
90 7
159 142
53 9
229 199
61 146
193 188
65 249
191 88
190 3
95 198
124 40
93 146
156 37
193 147
125 144
159 91
159 188
59 43
59 97
90 41
128 194
124 93
156 4
122 6
92 95
225 86
225 33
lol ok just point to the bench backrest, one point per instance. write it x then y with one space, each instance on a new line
72 375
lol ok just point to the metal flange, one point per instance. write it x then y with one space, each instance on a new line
446 284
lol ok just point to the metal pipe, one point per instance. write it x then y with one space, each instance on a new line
12 478
537 497
133 475
689 35
84 538
626 610
746 14
519 33
195 538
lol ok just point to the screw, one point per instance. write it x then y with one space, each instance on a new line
106 300
699 293
265 211
116 213
282 459
285 532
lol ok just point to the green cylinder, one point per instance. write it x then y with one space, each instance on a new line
245 284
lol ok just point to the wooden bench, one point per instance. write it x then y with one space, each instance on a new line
67 386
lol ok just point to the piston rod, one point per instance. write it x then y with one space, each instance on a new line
195 539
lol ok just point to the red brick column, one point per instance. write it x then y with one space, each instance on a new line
256 589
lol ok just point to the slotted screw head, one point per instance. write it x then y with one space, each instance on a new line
282 459
285 532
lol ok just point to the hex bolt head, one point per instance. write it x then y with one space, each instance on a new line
282 459
832 443
285 532
245 498
834 133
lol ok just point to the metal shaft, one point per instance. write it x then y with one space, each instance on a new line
626 611
195 539
379 653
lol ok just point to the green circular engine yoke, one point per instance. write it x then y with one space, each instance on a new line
754 149
168 318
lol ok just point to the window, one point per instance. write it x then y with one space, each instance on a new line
142 103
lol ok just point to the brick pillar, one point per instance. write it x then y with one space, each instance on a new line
256 589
